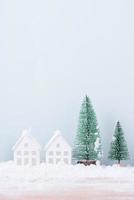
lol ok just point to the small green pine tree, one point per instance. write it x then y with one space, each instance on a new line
118 150
87 144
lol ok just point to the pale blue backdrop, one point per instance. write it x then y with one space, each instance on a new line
52 53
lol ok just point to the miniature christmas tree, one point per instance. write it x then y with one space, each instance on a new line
118 150
87 144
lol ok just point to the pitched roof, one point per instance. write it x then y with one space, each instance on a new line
26 133
57 134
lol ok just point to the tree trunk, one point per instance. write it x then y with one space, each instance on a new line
119 162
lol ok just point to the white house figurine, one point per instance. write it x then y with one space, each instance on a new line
58 150
27 151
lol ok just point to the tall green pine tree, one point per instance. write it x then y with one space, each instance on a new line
118 150
87 144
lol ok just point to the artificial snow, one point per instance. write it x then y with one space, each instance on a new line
47 178
97 144
113 138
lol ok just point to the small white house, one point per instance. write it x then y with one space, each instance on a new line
58 150
27 151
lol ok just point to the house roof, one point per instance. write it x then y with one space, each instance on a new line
26 133
57 134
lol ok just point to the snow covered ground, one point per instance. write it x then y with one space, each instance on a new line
47 179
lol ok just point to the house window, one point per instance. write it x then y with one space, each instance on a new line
58 160
58 153
19 162
26 153
34 161
58 145
33 152
50 161
26 145
51 153
65 160
65 153
26 161
18 153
